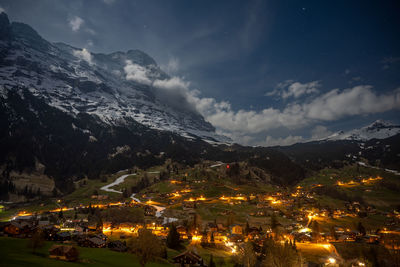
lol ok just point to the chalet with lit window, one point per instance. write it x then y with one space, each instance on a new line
67 253
236 229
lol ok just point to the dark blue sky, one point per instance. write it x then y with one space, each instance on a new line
255 55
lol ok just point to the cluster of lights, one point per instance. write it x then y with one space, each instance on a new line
238 197
353 183
192 199
231 246
371 180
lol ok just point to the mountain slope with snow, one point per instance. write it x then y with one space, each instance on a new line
115 88
376 130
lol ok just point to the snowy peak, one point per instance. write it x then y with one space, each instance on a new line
115 88
377 130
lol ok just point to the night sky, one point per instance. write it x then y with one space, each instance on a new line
262 72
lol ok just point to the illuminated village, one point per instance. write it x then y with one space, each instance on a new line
289 217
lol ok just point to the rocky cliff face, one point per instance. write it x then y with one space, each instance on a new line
114 88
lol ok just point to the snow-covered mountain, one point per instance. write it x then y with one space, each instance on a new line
115 88
376 130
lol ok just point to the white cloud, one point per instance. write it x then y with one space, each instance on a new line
290 88
244 125
298 89
84 54
171 84
75 23
359 100
137 73
2 10
320 132
330 106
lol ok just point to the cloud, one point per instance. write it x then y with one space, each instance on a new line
175 92
293 89
89 43
333 105
116 72
289 140
359 100
75 23
175 83
90 31
84 54
320 132
244 125
389 61
2 10
137 73
172 66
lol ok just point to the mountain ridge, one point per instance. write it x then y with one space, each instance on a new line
75 81
378 129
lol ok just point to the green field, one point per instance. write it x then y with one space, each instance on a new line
15 252
382 194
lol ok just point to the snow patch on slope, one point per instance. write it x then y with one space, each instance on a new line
377 130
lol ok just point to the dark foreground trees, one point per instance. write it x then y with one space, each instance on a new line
173 238
146 246
36 241
280 255
270 254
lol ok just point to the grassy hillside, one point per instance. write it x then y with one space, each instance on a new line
351 183
15 252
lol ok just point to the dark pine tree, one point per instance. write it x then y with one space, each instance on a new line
173 238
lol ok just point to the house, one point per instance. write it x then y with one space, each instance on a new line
81 228
302 237
67 253
181 230
50 231
101 236
237 229
188 258
96 242
150 211
254 233
13 228
17 228
189 205
212 227
117 246
236 238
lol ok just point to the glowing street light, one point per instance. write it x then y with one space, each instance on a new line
331 260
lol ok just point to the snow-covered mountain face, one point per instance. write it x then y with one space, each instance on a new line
377 130
114 87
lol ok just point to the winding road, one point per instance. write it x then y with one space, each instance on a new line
159 210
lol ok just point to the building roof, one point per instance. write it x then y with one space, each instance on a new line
97 241
189 254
